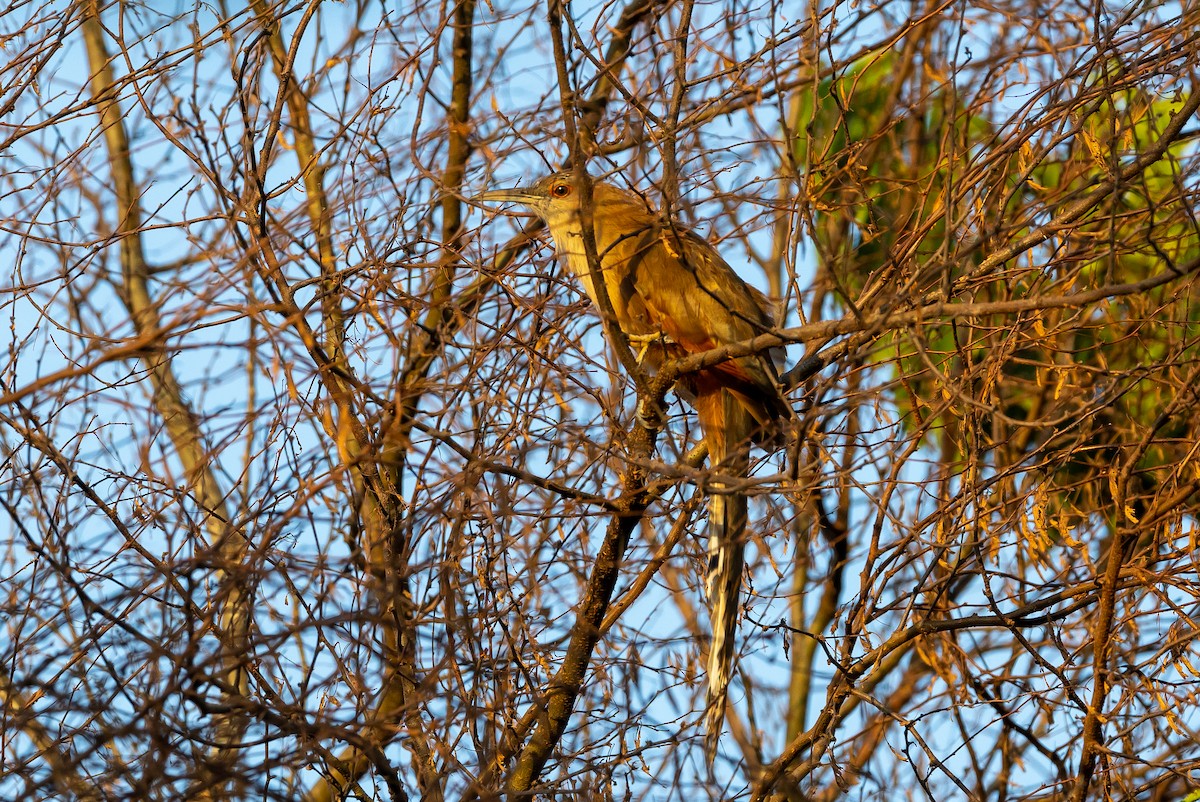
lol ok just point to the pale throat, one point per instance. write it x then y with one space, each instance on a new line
567 232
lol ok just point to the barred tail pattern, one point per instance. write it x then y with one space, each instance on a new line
727 425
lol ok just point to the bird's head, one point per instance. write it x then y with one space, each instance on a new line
554 198
558 200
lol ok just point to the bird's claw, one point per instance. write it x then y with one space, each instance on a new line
647 340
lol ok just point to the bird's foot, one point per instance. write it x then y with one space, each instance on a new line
647 340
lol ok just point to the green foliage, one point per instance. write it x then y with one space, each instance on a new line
875 164
890 160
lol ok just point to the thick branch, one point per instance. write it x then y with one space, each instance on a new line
555 707
181 423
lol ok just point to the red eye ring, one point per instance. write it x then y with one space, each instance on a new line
560 190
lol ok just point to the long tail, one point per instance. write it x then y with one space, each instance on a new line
727 426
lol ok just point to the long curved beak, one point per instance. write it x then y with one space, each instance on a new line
515 195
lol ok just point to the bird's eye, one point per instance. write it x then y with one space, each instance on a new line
560 190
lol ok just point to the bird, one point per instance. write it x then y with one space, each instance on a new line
671 293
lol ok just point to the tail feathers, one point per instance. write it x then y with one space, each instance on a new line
727 428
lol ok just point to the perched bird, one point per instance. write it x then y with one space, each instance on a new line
673 294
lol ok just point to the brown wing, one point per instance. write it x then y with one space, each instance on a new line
701 303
